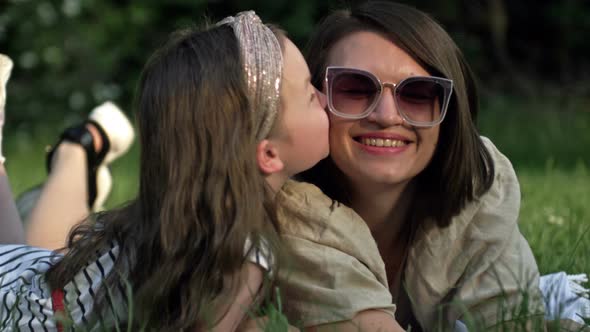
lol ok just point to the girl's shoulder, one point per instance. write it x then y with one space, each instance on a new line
21 264
336 271
25 296
304 210
81 293
317 226
25 290
22 268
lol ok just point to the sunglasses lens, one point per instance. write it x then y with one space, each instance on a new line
352 93
420 100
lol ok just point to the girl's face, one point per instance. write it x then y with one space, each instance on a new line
358 147
303 131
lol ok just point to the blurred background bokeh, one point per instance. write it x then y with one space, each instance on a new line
73 54
532 59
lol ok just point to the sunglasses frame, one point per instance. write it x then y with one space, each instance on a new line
446 84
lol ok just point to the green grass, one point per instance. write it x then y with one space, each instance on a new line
550 150
555 218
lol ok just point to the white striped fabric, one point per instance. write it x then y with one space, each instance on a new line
25 296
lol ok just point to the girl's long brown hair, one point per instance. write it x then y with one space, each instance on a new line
201 193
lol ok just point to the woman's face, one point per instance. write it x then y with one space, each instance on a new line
303 132
355 144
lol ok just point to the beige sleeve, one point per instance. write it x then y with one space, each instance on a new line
325 285
479 269
501 279
506 290
335 271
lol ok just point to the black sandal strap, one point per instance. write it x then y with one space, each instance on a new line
106 143
81 135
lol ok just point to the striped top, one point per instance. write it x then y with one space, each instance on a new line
25 296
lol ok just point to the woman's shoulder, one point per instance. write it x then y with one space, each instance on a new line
485 226
478 250
489 216
504 171
496 211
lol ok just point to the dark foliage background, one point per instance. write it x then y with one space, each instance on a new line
73 54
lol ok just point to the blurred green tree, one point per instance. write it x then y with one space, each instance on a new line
72 54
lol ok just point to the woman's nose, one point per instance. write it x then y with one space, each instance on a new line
386 113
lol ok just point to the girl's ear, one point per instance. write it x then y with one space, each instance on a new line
267 156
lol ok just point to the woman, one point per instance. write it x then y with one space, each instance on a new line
440 201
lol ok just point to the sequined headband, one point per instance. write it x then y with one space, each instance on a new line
263 66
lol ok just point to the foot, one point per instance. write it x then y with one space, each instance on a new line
106 135
96 138
117 128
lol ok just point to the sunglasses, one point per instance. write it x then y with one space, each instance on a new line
422 101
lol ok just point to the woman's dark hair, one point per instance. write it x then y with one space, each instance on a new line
201 194
461 168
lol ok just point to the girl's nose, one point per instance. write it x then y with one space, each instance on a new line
322 98
386 114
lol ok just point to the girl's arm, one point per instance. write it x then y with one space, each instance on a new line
252 276
367 321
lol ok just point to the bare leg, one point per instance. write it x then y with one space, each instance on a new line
10 223
11 227
63 200
62 203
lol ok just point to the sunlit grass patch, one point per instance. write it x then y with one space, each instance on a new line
555 217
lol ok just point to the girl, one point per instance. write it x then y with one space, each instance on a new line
222 114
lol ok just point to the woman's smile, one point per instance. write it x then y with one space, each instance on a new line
383 143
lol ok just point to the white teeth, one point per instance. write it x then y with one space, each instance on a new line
379 142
